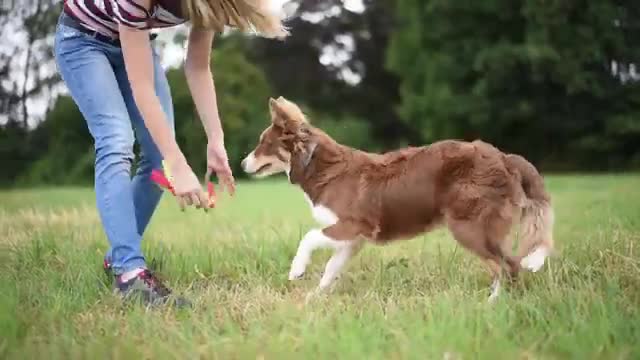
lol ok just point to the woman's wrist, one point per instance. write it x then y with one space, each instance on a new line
176 160
215 137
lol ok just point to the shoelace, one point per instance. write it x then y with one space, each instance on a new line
153 282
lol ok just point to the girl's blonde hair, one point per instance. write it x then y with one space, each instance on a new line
246 15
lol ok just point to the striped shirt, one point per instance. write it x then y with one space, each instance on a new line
104 16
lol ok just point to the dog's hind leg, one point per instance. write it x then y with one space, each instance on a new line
496 273
475 237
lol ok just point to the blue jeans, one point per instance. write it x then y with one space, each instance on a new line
95 75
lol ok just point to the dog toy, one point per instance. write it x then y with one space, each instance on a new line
163 180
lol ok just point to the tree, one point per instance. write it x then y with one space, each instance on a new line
27 74
536 78
27 70
65 146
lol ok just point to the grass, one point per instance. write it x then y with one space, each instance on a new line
421 299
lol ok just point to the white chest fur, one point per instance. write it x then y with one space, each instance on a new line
322 214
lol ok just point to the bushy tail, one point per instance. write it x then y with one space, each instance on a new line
537 217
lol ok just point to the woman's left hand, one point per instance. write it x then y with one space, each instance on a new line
218 162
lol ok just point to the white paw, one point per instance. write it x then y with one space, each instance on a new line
297 270
534 261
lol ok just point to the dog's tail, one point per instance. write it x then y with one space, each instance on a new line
537 216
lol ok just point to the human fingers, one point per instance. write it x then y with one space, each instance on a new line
181 202
203 199
195 199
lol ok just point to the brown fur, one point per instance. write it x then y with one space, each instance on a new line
473 188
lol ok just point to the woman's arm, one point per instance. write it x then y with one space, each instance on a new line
138 58
200 81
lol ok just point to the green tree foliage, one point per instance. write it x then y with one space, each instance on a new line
549 79
15 153
66 155
21 78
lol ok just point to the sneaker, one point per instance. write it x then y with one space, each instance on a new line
106 267
148 289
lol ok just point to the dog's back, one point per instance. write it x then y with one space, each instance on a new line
410 191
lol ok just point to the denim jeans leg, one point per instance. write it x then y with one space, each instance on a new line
89 76
146 195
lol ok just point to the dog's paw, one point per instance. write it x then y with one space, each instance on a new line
297 271
296 275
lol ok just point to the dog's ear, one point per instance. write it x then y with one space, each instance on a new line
278 114
296 130
273 106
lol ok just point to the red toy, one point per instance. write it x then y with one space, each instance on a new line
158 177
161 180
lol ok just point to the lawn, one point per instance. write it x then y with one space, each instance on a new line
420 299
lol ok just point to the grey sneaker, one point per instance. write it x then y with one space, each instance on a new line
148 289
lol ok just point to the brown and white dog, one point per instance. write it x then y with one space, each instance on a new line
474 189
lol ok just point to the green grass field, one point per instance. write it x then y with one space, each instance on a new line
421 299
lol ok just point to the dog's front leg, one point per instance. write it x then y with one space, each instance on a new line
311 241
345 251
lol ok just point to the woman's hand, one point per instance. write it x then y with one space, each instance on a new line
187 188
218 162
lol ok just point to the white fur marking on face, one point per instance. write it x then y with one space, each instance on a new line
535 260
249 163
311 241
322 214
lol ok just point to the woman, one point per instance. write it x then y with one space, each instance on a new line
104 52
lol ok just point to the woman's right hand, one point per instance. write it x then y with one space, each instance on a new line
187 188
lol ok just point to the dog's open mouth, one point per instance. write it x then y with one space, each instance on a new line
262 169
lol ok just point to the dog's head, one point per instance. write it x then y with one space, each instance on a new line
288 136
